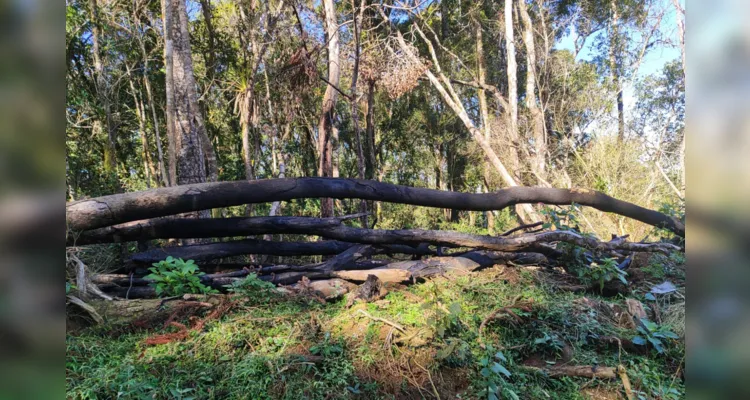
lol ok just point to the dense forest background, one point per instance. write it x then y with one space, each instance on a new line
454 95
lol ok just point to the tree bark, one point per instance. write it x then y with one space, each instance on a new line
114 209
189 129
538 160
325 124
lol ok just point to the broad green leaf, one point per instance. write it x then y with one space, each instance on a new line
639 340
497 368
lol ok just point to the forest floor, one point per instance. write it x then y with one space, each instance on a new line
428 340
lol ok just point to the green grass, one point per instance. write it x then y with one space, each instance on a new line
259 351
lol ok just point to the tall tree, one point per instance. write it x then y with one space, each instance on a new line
512 71
536 115
326 145
102 90
187 139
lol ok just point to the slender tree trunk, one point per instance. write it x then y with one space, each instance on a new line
211 67
325 125
538 160
355 107
164 178
614 50
524 212
512 71
370 159
102 90
148 168
248 126
484 111
680 18
167 21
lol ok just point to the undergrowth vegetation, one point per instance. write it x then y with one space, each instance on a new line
429 340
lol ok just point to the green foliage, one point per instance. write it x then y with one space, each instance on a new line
252 287
651 382
601 273
494 375
564 219
327 348
651 332
175 277
442 320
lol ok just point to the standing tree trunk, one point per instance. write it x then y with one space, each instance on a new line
152 105
167 13
538 160
325 125
102 90
211 61
680 18
370 158
483 109
188 123
512 71
148 168
355 107
614 66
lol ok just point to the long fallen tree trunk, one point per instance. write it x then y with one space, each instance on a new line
126 207
392 239
212 251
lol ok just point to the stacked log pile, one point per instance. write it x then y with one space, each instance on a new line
355 252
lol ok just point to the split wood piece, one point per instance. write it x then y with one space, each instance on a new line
384 275
369 291
126 207
435 266
327 289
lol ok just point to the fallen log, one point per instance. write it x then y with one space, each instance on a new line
125 207
116 312
333 228
212 251
392 237
189 228
582 371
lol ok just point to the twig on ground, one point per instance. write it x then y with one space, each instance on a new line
383 320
